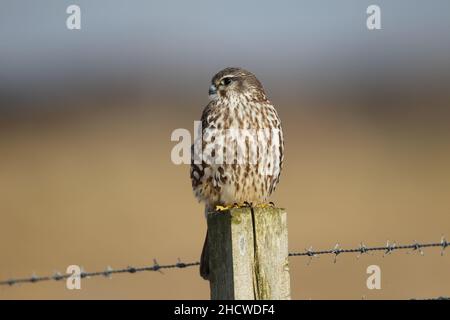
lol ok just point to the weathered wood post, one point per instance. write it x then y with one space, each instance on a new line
248 252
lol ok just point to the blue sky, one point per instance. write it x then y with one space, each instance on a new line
295 38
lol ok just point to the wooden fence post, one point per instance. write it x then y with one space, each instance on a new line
248 252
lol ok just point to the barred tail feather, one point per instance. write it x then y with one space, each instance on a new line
204 260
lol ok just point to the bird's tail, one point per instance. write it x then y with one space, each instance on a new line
204 260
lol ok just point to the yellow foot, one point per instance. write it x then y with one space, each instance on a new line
266 205
233 206
245 204
224 208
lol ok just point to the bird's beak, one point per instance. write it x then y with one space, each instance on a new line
212 90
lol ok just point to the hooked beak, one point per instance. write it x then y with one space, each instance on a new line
212 90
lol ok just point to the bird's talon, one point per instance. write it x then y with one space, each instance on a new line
266 205
223 208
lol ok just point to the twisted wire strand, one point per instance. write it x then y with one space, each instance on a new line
108 272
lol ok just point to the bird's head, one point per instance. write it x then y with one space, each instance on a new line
236 81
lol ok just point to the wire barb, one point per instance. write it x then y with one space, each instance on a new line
444 245
57 276
389 248
180 264
34 278
418 248
362 250
156 266
310 253
336 251
108 272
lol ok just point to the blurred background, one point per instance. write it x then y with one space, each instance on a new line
86 117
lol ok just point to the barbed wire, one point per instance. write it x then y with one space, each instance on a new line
436 298
362 249
108 272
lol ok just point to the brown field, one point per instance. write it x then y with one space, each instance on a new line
101 190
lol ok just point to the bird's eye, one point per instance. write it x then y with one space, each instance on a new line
226 81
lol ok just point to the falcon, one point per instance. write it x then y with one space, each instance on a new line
238 157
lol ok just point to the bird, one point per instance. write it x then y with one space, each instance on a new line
238 104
